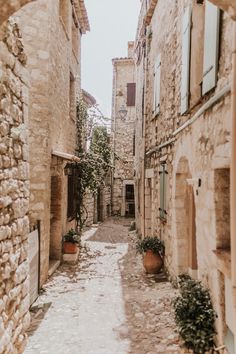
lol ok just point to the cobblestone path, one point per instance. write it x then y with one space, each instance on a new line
106 304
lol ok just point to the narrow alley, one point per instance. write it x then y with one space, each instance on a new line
105 304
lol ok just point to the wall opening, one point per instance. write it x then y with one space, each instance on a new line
129 200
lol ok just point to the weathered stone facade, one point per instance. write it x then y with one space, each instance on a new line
123 133
14 191
52 39
183 183
37 128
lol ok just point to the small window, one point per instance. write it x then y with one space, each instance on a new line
163 179
72 107
131 92
157 86
134 144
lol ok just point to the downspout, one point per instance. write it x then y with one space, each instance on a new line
233 165
144 129
233 179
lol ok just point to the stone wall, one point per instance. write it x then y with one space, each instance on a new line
54 66
195 157
14 191
9 7
123 130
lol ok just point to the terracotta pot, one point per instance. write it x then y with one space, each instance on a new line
69 247
152 262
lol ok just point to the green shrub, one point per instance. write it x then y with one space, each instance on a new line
72 236
150 243
194 315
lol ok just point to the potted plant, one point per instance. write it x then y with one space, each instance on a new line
152 249
71 241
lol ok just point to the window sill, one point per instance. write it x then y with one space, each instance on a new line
223 261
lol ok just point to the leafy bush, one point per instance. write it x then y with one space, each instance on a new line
194 315
72 236
150 243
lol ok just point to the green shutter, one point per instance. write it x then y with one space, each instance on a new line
211 47
185 75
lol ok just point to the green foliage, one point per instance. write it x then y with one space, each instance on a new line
72 236
95 161
150 243
194 315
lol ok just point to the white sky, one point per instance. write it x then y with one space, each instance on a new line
113 23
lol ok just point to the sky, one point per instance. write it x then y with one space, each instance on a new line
113 23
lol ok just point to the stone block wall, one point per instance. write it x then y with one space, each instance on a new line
197 159
14 191
54 67
123 129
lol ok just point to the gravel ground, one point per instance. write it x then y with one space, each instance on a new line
106 304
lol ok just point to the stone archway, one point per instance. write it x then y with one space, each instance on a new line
185 220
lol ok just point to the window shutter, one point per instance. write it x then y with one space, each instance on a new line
186 43
131 91
211 47
157 86
163 174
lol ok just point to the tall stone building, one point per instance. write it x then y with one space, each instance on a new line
185 122
39 81
123 134
51 32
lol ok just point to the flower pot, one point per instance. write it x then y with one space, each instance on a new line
69 247
152 262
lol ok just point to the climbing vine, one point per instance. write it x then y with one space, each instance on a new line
95 153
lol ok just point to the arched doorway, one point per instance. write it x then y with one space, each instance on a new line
185 220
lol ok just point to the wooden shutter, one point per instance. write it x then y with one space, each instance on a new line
163 174
157 86
186 42
211 47
131 91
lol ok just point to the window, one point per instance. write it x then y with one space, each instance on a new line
134 144
64 14
157 86
163 176
211 47
131 91
186 31
72 99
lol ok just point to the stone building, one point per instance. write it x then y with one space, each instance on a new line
51 32
123 134
39 81
185 121
14 190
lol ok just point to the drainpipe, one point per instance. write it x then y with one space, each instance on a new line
144 131
233 165
233 177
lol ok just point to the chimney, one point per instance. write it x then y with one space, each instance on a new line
130 49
